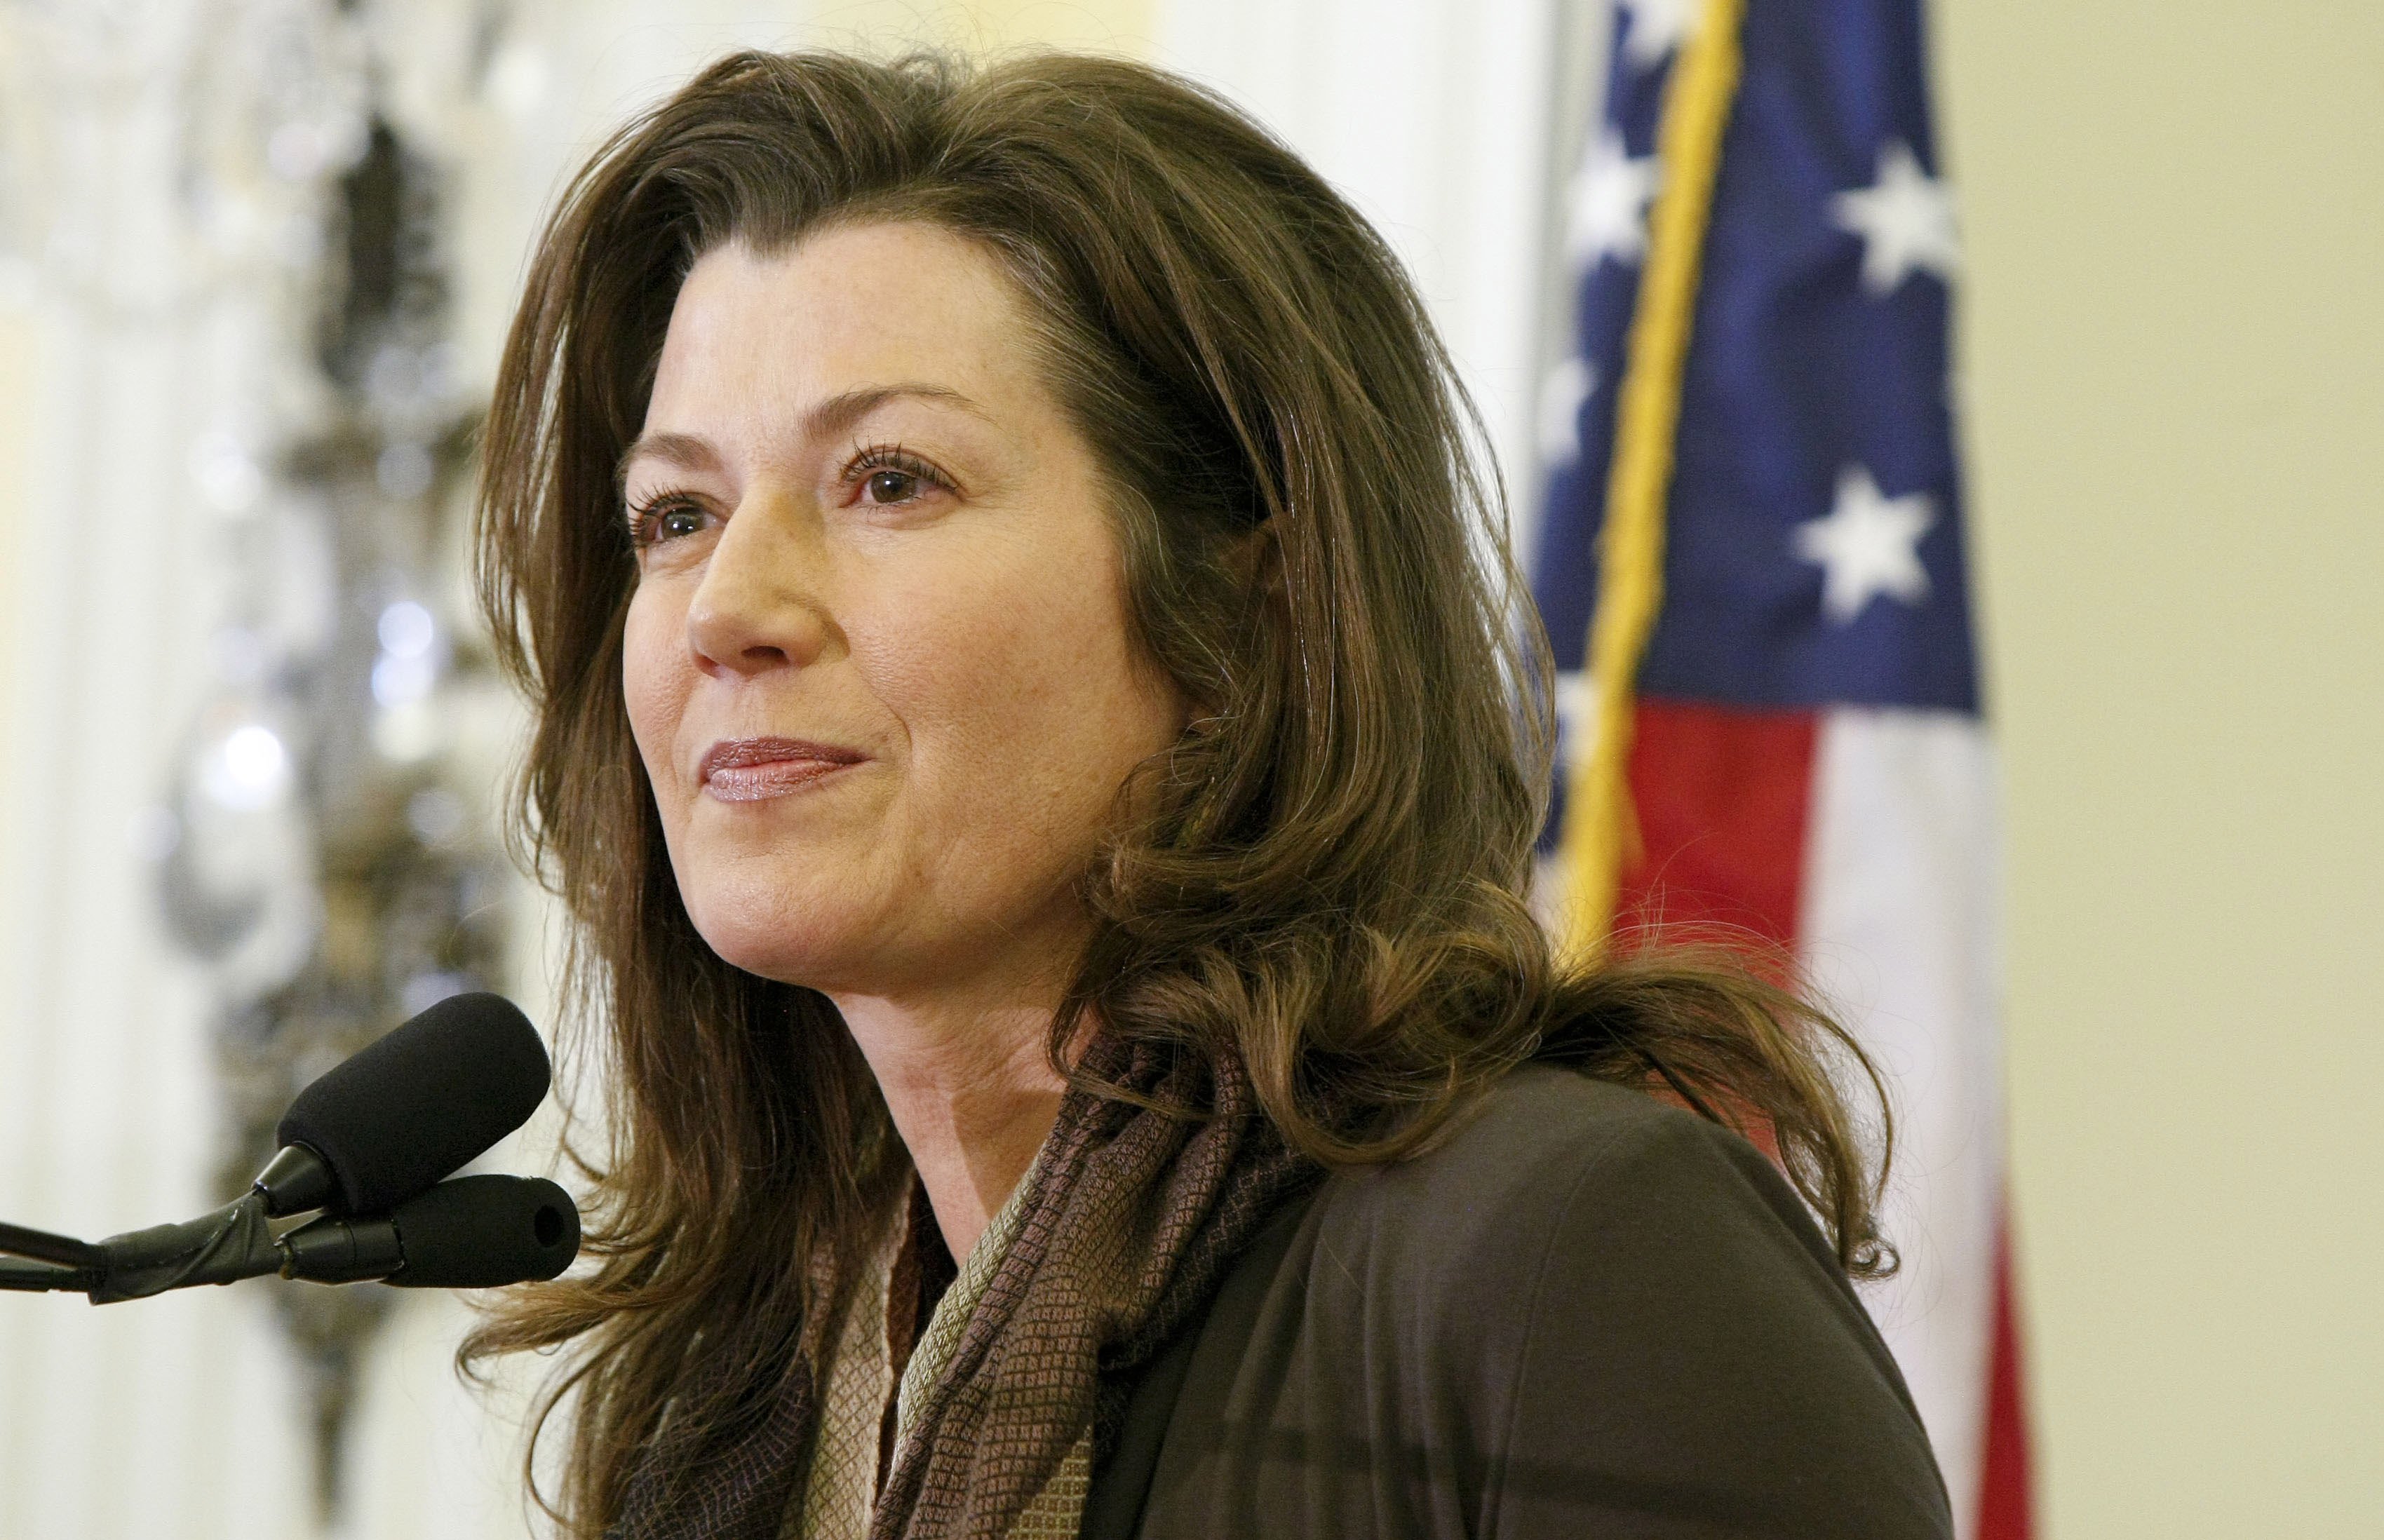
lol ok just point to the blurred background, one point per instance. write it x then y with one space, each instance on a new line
257 257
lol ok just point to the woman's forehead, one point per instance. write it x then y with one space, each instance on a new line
893 307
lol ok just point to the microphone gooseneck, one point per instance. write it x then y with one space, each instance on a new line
473 1232
234 1242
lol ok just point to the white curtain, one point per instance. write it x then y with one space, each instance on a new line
1437 118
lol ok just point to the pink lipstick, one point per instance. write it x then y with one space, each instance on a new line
755 769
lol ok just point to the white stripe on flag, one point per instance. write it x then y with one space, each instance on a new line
1901 929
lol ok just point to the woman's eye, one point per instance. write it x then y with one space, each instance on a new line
885 477
891 485
671 521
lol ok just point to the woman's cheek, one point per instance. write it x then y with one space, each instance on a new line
652 688
940 641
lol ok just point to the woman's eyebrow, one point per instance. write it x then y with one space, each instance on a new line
839 412
686 450
835 415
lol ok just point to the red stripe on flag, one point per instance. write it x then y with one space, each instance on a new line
1722 796
2004 1512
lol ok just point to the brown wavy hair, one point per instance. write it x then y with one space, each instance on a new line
1325 875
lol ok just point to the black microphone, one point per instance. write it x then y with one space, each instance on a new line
408 1110
474 1232
372 1137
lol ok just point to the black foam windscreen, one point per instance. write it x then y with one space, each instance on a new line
486 1232
421 1102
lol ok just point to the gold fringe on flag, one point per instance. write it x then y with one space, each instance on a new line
1601 829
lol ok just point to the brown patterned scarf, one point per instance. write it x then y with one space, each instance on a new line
1132 1222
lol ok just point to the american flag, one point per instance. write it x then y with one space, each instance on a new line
1753 574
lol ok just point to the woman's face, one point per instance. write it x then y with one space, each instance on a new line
878 662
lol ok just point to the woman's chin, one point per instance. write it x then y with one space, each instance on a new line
789 944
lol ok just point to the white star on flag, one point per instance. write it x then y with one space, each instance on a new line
1609 200
1868 545
1562 394
1905 219
1658 27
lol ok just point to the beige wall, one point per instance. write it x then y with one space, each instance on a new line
2174 362
19 368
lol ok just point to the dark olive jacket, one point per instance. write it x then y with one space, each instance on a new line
1585 1314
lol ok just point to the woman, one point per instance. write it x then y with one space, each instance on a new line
1029 735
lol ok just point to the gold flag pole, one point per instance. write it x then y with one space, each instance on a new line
1600 828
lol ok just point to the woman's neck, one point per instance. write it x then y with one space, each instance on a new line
970 1085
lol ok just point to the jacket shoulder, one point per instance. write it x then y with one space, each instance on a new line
1582 1310
1543 1147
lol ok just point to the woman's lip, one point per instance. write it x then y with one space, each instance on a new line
753 769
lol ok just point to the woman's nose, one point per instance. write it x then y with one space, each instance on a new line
759 605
